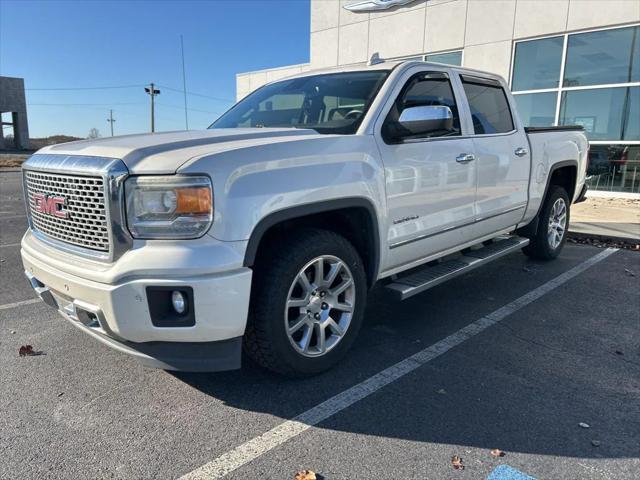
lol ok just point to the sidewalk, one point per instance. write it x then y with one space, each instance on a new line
611 218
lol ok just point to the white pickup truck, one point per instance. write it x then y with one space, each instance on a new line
267 230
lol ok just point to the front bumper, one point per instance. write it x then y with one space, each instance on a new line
117 314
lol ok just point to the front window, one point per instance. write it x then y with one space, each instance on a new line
331 103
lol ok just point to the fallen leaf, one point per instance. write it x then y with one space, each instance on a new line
60 394
442 391
28 351
629 272
13 332
595 443
584 425
305 475
496 452
618 352
456 461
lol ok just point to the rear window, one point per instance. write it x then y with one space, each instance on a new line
489 106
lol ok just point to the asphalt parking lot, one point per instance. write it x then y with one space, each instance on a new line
514 356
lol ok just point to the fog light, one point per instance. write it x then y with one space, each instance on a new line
178 301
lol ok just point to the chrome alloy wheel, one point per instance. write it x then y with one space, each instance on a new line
320 306
557 223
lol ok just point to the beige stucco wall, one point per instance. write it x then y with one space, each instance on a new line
484 29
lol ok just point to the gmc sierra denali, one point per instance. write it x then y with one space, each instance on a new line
267 229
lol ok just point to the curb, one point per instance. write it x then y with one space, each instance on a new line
604 238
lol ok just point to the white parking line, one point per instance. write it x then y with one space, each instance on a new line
10 245
19 304
10 217
252 449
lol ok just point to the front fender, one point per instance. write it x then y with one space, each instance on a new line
255 182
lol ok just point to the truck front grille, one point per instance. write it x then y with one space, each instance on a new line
86 223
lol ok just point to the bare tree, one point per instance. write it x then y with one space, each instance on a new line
94 133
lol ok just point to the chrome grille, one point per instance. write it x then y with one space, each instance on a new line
86 224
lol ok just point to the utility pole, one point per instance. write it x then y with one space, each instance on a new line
184 85
151 90
111 120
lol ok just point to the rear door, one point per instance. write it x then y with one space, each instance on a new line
502 156
430 192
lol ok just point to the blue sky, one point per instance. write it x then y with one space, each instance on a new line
72 44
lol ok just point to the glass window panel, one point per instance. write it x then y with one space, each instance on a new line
614 168
607 56
490 110
631 130
424 89
451 58
599 111
537 109
537 64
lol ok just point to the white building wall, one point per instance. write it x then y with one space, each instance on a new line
484 29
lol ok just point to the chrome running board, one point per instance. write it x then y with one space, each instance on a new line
405 286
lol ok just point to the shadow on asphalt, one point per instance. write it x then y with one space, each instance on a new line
523 385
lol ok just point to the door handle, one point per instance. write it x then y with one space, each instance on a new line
465 158
521 152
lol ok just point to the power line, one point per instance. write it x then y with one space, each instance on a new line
85 104
191 109
227 100
87 88
220 99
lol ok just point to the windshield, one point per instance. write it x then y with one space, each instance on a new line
330 103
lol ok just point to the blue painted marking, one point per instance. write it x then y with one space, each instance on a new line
505 472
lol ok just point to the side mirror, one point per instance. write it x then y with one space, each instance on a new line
417 121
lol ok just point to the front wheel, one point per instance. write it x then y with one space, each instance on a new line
551 236
307 303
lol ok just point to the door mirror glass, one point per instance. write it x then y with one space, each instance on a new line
431 120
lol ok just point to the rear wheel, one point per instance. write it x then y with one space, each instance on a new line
553 223
307 303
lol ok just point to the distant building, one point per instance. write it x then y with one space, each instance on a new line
567 61
13 111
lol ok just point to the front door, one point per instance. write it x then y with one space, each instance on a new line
430 181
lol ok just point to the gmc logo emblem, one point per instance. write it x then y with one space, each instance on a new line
50 205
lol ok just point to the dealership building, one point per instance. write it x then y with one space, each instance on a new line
567 61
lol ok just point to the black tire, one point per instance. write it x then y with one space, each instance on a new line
539 247
266 340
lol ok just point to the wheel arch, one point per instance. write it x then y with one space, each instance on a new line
564 174
347 213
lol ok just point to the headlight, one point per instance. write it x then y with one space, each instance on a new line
169 207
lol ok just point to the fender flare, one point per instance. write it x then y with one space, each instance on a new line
532 227
305 210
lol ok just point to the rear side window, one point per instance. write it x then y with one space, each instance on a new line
489 106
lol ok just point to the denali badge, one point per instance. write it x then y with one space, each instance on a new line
50 205
373 5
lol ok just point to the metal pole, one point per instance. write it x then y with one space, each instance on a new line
111 120
151 90
153 116
184 85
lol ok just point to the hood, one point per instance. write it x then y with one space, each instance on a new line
157 153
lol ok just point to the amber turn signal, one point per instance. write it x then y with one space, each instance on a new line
195 200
